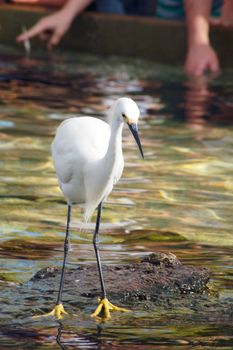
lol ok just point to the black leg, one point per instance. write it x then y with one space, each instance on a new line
66 249
96 247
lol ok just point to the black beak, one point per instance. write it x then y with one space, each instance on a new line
134 129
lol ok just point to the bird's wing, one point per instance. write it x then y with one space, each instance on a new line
77 142
119 171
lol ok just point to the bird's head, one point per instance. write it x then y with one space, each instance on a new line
127 111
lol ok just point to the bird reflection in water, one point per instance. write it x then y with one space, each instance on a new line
58 337
95 343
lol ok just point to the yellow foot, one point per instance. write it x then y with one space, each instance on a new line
105 306
57 311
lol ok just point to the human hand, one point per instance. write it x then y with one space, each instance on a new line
50 28
201 58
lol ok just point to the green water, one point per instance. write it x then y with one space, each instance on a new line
178 199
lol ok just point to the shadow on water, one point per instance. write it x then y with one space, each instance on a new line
179 199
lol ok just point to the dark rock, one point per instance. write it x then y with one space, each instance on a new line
163 259
46 272
157 274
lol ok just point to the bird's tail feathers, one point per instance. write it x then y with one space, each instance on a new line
88 212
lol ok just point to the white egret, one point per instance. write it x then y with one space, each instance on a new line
87 155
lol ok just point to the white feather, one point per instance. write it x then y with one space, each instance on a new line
87 155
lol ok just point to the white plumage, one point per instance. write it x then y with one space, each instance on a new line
88 160
87 154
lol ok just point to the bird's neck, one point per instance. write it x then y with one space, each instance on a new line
110 162
107 168
114 152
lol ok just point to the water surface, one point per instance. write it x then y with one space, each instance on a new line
178 199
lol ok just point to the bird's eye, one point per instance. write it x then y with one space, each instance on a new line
124 116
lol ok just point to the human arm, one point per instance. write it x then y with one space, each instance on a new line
54 26
200 55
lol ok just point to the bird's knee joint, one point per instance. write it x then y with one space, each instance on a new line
66 247
95 241
96 245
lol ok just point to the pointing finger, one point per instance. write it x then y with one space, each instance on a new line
35 30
